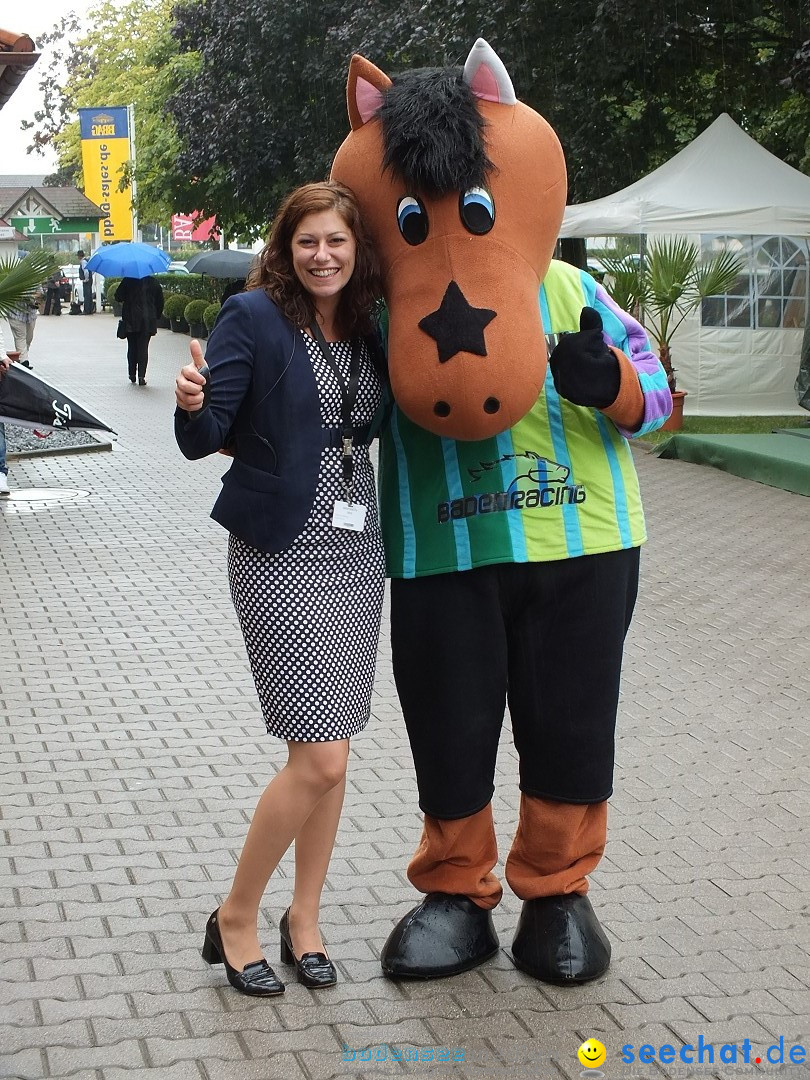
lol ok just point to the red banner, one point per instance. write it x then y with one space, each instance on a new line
186 227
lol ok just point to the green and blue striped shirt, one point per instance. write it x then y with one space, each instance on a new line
559 484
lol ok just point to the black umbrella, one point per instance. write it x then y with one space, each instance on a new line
28 401
226 263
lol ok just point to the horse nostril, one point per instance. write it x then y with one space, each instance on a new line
441 408
491 405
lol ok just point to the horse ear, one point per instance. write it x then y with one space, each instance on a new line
364 91
486 75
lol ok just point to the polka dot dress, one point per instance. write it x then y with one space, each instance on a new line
310 614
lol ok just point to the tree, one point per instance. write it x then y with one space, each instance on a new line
127 57
672 69
626 83
260 108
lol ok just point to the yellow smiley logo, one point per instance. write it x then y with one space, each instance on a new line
592 1054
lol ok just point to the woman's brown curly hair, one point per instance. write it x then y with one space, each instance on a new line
274 271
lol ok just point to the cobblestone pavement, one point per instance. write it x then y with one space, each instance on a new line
133 753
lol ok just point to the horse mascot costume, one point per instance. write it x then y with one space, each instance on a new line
510 507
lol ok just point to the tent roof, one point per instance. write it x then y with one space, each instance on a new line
722 182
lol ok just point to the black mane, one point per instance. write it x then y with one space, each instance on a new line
433 133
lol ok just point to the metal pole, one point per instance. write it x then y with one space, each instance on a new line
136 234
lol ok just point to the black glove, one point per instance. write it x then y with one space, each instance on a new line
584 369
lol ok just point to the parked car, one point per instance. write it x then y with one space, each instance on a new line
176 268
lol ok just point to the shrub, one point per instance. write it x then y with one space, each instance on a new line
210 315
194 311
110 286
175 305
194 286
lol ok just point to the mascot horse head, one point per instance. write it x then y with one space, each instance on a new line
462 188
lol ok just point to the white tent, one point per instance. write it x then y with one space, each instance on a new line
725 184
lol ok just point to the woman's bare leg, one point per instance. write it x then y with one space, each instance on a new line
314 844
312 771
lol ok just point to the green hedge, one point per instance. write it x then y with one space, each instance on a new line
176 304
193 286
194 311
210 315
110 285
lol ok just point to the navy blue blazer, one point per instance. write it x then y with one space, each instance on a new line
264 403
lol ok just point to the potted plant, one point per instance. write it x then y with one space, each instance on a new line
668 283
173 309
193 315
108 295
210 316
20 278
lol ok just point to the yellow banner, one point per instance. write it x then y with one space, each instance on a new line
105 148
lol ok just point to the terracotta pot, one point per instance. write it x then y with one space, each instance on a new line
675 421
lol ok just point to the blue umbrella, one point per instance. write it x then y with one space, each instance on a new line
128 260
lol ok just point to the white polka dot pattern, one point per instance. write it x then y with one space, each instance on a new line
310 614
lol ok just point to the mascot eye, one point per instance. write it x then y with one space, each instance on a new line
412 220
477 210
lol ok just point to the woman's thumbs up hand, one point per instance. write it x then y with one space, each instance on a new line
192 385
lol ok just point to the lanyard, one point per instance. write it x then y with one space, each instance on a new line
348 397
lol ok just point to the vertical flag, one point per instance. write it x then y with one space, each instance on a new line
105 148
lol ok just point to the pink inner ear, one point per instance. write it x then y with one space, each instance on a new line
368 99
485 85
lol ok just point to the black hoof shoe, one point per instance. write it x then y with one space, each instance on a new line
559 940
444 935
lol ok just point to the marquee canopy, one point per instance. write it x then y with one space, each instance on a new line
722 182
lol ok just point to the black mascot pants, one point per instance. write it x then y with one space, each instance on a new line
547 638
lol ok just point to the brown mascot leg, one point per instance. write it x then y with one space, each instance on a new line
557 844
451 930
457 857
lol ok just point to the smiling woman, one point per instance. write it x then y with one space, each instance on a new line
318 236
323 256
291 385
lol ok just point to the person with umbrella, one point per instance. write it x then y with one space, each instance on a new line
140 295
141 302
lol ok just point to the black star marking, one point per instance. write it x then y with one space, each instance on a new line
456 326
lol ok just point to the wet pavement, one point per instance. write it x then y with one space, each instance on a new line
133 753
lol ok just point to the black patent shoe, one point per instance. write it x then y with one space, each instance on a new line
444 935
314 969
559 940
256 980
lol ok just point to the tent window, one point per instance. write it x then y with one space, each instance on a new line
771 292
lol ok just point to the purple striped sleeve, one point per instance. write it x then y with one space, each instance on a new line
652 377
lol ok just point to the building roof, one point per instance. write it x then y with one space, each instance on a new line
17 237
23 180
63 202
17 56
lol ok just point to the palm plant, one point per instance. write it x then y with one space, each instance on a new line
668 284
19 278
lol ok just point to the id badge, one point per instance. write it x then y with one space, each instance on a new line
351 516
